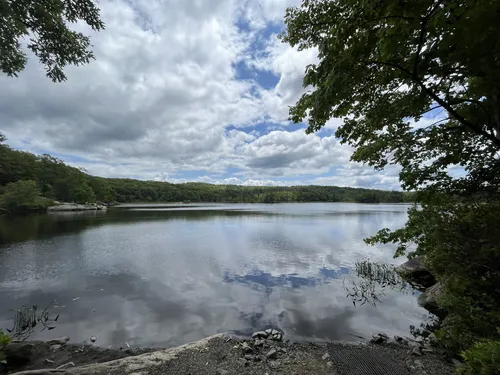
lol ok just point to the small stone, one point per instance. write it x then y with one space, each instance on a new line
258 342
456 362
55 347
283 350
274 332
416 351
274 364
377 339
249 357
428 350
49 361
268 331
325 356
384 335
246 348
58 341
221 371
257 358
278 337
236 347
272 354
259 334
329 364
243 362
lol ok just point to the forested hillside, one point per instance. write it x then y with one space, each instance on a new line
31 182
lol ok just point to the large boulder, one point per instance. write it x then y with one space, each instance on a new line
414 272
19 353
429 300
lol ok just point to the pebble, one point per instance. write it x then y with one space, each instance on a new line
260 334
283 350
246 348
274 364
329 364
244 362
258 342
249 357
55 347
325 356
272 354
416 351
221 371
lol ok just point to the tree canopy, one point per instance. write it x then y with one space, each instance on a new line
26 179
42 26
417 84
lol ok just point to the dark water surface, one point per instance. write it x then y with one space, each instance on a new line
170 275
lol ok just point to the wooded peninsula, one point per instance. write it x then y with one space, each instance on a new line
30 182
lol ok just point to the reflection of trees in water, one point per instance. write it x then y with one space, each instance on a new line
373 279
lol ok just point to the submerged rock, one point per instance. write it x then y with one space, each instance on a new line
429 300
414 272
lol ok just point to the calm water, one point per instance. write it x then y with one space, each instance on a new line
167 276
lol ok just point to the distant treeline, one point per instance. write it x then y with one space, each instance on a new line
39 179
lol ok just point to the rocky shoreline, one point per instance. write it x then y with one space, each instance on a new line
68 207
266 353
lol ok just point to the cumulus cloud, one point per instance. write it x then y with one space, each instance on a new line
165 97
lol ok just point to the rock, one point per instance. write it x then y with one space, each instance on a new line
325 356
249 357
274 332
384 335
272 354
55 347
416 274
93 338
18 354
243 362
268 331
329 364
283 350
221 371
428 299
278 337
49 361
260 334
58 341
257 358
274 364
258 342
416 351
427 350
66 365
376 339
246 348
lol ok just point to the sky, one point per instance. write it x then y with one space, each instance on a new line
183 90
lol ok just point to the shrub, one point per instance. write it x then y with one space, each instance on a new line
482 358
4 340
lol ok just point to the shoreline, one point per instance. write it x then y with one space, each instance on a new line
224 354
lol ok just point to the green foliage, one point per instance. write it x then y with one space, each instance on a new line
46 24
23 196
483 358
4 341
57 181
385 65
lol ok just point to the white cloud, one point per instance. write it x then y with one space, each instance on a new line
163 98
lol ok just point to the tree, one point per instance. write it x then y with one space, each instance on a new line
386 65
22 196
45 24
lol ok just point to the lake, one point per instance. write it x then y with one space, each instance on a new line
171 274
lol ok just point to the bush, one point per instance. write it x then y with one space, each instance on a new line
4 340
23 196
482 358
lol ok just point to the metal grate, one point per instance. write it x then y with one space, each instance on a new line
353 360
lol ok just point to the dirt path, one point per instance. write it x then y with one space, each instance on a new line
224 355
